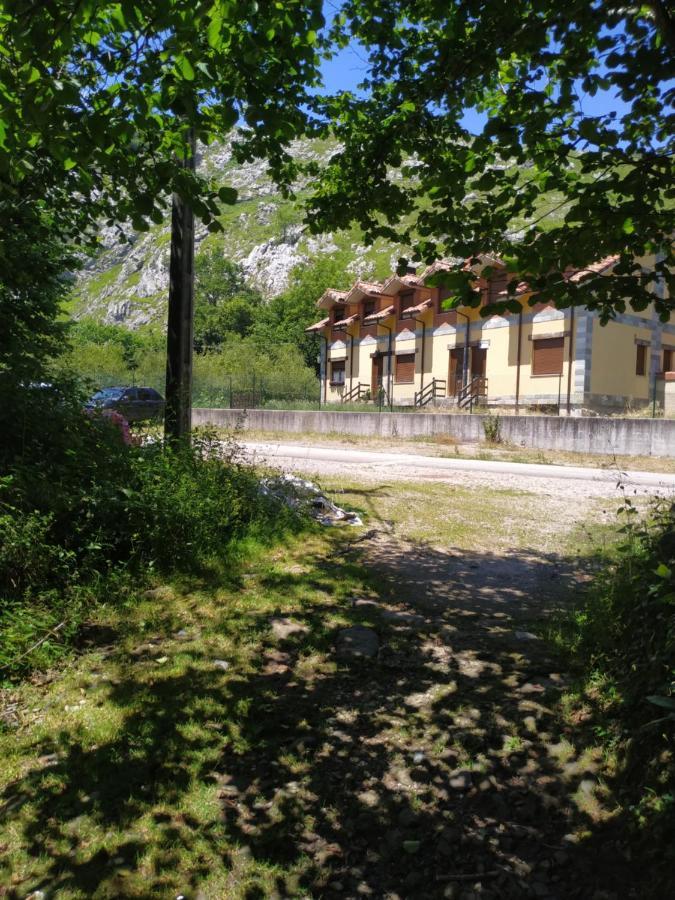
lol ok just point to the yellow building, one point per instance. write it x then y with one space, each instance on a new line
394 342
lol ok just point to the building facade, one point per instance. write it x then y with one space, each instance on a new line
395 342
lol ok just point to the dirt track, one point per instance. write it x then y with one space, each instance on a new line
575 483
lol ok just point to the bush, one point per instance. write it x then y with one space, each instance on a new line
626 629
492 429
83 517
624 638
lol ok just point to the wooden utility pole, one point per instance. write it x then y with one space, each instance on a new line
178 411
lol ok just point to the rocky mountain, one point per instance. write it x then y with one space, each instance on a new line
127 281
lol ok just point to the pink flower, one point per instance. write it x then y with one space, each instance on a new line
118 420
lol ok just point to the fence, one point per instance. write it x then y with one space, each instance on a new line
252 392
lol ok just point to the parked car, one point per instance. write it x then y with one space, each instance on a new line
136 404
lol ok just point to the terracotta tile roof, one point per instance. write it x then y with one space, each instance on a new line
413 310
596 268
329 297
448 265
440 265
379 315
521 288
398 282
361 289
318 326
343 323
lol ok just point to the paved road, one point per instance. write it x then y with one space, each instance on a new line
374 463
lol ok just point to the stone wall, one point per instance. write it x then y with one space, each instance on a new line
622 436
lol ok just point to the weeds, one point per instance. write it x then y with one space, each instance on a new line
492 429
623 639
85 520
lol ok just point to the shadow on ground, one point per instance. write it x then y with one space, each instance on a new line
438 768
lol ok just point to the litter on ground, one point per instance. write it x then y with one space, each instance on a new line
307 497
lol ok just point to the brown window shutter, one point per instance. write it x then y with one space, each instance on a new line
667 359
498 283
547 356
368 308
640 359
405 368
406 300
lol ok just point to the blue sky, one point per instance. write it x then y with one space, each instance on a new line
349 67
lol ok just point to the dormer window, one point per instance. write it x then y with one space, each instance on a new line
368 308
338 313
497 286
443 294
406 300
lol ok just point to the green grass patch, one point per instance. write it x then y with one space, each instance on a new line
620 641
119 778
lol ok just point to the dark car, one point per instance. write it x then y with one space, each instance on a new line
136 404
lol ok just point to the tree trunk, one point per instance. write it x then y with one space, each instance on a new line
178 411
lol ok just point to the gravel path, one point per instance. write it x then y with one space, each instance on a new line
566 481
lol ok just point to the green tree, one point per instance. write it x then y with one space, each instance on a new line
97 97
34 282
224 303
283 320
410 169
101 102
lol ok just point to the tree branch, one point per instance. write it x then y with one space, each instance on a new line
664 21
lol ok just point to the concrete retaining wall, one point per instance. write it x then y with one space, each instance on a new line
633 437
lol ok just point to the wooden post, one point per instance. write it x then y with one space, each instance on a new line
178 411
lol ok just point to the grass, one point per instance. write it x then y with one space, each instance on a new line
188 751
448 514
113 781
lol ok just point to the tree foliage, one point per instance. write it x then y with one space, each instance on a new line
529 67
284 318
224 302
34 264
96 98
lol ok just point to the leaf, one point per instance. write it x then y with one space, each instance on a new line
69 164
411 846
663 702
228 195
117 15
628 227
311 37
662 571
214 28
184 66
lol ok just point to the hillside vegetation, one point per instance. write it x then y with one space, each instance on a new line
127 281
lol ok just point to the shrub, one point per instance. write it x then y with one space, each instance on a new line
624 637
82 517
492 429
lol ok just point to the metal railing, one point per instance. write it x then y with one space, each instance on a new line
435 388
357 393
473 393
